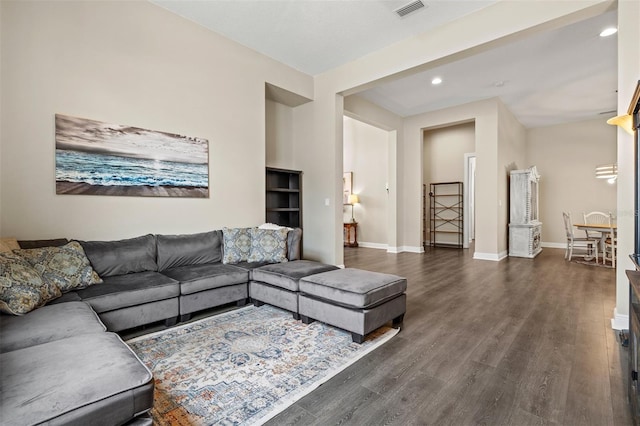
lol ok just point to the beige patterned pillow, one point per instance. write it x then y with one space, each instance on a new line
67 266
21 286
268 245
236 244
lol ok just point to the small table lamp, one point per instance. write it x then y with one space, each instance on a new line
353 199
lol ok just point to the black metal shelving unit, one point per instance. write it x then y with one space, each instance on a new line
446 214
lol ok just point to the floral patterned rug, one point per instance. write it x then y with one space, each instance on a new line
244 366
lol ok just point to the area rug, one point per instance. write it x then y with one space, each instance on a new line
245 366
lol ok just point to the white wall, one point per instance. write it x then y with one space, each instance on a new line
366 154
566 156
443 151
129 63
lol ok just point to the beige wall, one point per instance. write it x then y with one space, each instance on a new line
393 125
126 62
511 156
280 143
130 63
485 116
628 76
366 154
461 37
566 156
443 151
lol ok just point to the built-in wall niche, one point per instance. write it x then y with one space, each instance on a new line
283 200
279 126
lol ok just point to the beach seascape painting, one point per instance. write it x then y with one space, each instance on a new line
96 158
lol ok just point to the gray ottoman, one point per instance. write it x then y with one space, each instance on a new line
354 300
277 284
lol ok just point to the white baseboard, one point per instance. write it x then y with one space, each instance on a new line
374 245
619 321
554 245
495 257
389 249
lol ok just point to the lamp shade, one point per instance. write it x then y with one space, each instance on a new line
624 121
607 171
353 199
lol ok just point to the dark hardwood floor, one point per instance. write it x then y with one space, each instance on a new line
516 342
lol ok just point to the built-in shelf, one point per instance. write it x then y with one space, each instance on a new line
284 197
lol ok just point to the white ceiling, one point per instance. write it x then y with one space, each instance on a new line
559 76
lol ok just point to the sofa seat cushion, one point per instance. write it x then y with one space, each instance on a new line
287 275
47 324
353 287
195 278
122 291
90 379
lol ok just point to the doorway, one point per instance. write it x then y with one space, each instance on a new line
367 154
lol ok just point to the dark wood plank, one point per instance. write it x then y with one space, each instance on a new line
516 342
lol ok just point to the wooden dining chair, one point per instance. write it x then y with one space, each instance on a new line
578 246
609 245
596 218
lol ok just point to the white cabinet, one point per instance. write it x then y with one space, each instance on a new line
524 227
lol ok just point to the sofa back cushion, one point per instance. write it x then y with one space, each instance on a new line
190 249
121 257
294 244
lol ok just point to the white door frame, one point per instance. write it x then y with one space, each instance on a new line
468 200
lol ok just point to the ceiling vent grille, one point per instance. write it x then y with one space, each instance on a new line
409 8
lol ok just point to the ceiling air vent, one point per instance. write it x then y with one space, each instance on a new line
409 8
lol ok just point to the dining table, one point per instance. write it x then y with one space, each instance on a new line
603 228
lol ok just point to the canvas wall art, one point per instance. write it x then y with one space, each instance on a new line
96 158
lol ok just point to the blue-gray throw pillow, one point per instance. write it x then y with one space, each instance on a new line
188 249
236 245
268 245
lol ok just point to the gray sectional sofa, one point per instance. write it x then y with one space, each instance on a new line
64 364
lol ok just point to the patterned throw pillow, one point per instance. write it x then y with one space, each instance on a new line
236 245
21 286
67 267
268 245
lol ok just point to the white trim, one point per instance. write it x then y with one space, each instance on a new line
466 219
374 245
554 245
341 266
619 321
496 257
401 249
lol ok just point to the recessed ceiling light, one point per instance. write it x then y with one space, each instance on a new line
608 31
436 81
